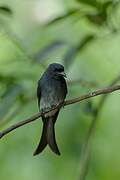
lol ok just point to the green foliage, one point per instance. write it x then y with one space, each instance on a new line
6 10
73 51
86 39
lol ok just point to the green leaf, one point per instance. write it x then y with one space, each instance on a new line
7 79
9 99
97 19
101 16
47 50
5 9
93 3
64 16
73 51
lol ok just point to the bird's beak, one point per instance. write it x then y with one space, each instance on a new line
63 74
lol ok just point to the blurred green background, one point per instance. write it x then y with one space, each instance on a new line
84 36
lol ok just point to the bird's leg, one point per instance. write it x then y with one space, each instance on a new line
42 111
62 104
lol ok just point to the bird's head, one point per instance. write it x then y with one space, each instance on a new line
56 70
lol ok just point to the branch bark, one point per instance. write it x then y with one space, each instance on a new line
67 102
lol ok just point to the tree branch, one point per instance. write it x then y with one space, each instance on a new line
68 102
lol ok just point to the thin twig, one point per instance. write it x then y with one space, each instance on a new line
85 154
68 102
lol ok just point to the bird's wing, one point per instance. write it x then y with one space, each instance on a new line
38 93
64 86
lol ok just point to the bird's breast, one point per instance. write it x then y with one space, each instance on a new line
51 96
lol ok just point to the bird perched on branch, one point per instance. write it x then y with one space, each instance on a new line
51 91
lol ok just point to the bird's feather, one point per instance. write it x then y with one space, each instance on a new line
51 91
43 141
48 135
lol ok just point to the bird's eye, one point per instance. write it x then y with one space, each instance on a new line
59 70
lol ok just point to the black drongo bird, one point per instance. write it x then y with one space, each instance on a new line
51 91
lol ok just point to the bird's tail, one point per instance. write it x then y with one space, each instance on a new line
43 141
51 140
48 137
